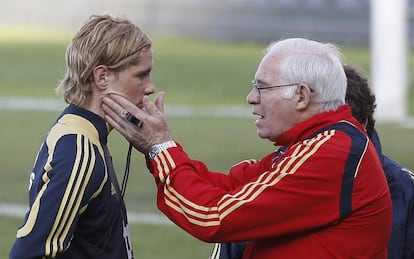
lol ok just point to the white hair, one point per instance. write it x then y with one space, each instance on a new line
316 64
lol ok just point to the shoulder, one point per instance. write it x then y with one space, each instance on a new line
393 167
72 124
69 148
399 178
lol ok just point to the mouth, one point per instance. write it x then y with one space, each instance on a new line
258 117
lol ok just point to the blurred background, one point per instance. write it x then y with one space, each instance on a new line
386 28
206 53
339 21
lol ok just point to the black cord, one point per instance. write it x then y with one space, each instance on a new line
126 173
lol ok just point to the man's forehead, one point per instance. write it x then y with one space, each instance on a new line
268 66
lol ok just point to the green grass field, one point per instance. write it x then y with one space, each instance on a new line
191 72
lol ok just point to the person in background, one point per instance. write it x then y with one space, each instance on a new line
323 195
400 180
76 209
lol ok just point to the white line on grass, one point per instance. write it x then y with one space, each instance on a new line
50 104
216 111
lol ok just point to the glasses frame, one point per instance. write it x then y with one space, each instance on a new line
258 87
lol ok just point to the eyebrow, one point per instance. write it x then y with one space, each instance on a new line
260 81
146 71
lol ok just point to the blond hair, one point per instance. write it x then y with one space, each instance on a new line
102 40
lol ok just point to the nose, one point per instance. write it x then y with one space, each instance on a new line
252 97
149 87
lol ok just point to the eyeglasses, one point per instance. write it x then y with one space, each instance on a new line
259 87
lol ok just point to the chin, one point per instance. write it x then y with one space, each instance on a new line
138 102
265 136
261 135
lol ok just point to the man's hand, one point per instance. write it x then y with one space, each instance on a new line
155 128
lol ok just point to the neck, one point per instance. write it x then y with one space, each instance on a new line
93 104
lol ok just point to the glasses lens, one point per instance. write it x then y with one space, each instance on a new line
256 88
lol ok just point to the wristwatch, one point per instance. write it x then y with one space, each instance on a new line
158 148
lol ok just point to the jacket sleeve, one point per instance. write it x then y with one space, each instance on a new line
62 186
401 184
238 174
264 201
410 232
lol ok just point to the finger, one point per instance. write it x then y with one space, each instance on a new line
114 118
112 109
126 113
149 106
111 118
113 115
125 104
111 104
159 102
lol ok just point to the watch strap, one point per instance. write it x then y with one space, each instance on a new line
158 148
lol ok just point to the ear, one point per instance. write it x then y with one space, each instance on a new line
304 95
100 76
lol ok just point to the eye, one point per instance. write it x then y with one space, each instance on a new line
143 75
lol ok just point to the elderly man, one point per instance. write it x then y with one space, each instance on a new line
400 180
323 195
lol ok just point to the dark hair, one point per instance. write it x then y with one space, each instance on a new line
360 97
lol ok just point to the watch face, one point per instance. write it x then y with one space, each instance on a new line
157 148
154 150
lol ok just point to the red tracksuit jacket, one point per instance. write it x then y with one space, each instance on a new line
323 195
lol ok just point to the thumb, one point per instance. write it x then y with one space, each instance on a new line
149 106
159 101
